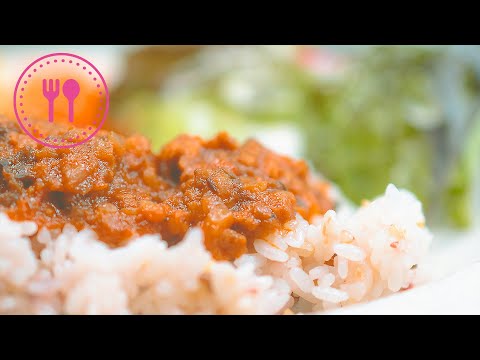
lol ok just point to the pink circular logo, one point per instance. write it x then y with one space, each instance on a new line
61 88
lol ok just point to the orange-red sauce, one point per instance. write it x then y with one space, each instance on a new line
119 188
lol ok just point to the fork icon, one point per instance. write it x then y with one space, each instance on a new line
51 94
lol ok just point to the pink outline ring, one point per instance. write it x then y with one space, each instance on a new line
105 113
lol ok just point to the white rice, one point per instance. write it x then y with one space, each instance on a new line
374 250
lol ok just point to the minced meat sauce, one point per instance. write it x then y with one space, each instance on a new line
118 187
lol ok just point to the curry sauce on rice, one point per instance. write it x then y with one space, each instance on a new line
119 188
202 226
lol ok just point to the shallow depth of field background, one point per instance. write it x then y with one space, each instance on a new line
363 116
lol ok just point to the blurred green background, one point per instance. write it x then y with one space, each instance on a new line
363 116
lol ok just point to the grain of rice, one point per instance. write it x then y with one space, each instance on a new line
269 251
294 261
301 279
313 232
326 281
342 267
291 225
318 271
295 239
329 294
43 236
349 251
255 259
346 237
279 242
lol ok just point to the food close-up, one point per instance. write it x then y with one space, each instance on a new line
239 180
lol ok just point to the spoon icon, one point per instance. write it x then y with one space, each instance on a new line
71 89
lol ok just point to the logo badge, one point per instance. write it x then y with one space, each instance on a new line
61 88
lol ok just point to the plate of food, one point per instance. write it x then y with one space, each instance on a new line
232 220
203 226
